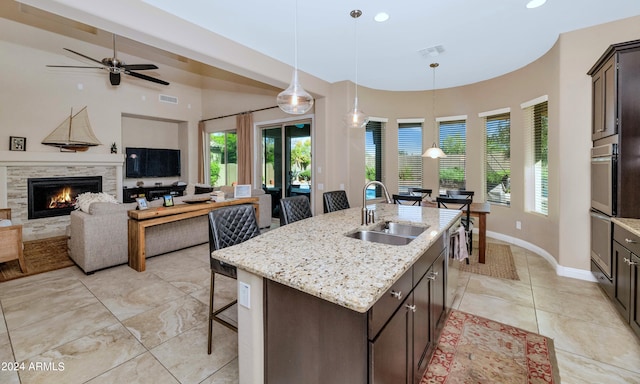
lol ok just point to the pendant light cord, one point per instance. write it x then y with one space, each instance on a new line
295 38
433 98
355 29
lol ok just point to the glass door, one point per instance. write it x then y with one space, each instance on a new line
286 161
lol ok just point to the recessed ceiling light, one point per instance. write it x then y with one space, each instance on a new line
535 3
381 17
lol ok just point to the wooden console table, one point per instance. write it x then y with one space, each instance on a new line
140 220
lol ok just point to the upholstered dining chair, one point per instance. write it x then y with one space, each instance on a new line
407 199
464 205
294 208
460 192
335 201
227 226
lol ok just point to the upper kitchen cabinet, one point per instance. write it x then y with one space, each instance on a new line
616 91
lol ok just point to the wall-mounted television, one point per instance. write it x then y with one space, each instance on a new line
152 162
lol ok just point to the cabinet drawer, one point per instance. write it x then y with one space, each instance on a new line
426 260
626 239
382 310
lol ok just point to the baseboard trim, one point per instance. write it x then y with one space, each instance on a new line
573 273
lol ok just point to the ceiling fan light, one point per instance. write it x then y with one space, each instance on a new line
295 100
434 152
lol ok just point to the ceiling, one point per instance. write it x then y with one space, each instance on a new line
479 40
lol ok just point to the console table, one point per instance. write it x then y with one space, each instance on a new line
140 220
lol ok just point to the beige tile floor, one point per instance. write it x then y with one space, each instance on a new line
118 325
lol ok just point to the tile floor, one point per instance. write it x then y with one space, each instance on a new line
119 326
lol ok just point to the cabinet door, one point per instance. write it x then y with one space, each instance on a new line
604 101
622 279
429 299
389 351
634 319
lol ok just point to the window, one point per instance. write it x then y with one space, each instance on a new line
409 156
453 141
223 166
537 172
498 158
374 156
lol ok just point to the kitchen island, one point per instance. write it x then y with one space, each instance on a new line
317 306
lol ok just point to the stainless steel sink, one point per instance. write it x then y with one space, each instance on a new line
403 229
381 237
390 233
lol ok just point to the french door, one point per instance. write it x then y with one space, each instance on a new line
286 161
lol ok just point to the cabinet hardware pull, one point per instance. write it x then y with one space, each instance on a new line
412 308
632 263
397 295
432 275
629 240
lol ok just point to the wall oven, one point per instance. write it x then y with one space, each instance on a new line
603 178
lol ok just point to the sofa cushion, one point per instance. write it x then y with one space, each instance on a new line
101 208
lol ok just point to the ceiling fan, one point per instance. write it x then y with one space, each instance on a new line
116 67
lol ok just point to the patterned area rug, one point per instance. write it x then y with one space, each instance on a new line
498 262
40 256
473 349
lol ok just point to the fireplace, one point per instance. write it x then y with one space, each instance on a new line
54 196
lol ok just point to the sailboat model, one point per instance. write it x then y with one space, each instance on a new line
73 134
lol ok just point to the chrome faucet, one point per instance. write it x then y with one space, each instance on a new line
367 215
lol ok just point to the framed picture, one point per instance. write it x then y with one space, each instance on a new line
142 203
243 190
17 143
168 200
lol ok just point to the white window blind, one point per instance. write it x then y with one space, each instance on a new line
374 156
409 156
498 158
453 141
537 123
223 166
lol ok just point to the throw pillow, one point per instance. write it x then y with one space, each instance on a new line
5 223
84 200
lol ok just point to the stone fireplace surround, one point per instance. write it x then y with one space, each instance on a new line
17 167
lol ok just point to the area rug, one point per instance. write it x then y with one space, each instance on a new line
498 262
40 256
473 349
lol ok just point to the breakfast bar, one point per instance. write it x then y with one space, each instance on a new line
315 302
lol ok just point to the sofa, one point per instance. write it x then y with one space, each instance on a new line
98 238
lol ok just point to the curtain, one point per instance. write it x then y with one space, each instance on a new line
244 129
201 157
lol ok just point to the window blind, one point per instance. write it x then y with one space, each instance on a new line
537 122
498 158
374 156
409 156
453 141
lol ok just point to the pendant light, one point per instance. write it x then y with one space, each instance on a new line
434 152
295 100
355 118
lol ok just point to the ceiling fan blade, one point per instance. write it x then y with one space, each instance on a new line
85 56
138 67
73 66
145 77
114 78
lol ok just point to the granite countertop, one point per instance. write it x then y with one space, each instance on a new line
631 225
315 257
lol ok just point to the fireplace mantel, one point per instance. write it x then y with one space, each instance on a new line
17 158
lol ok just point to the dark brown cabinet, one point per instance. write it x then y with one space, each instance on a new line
310 340
604 101
626 248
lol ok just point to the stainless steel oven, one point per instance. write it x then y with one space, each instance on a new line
601 242
603 178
